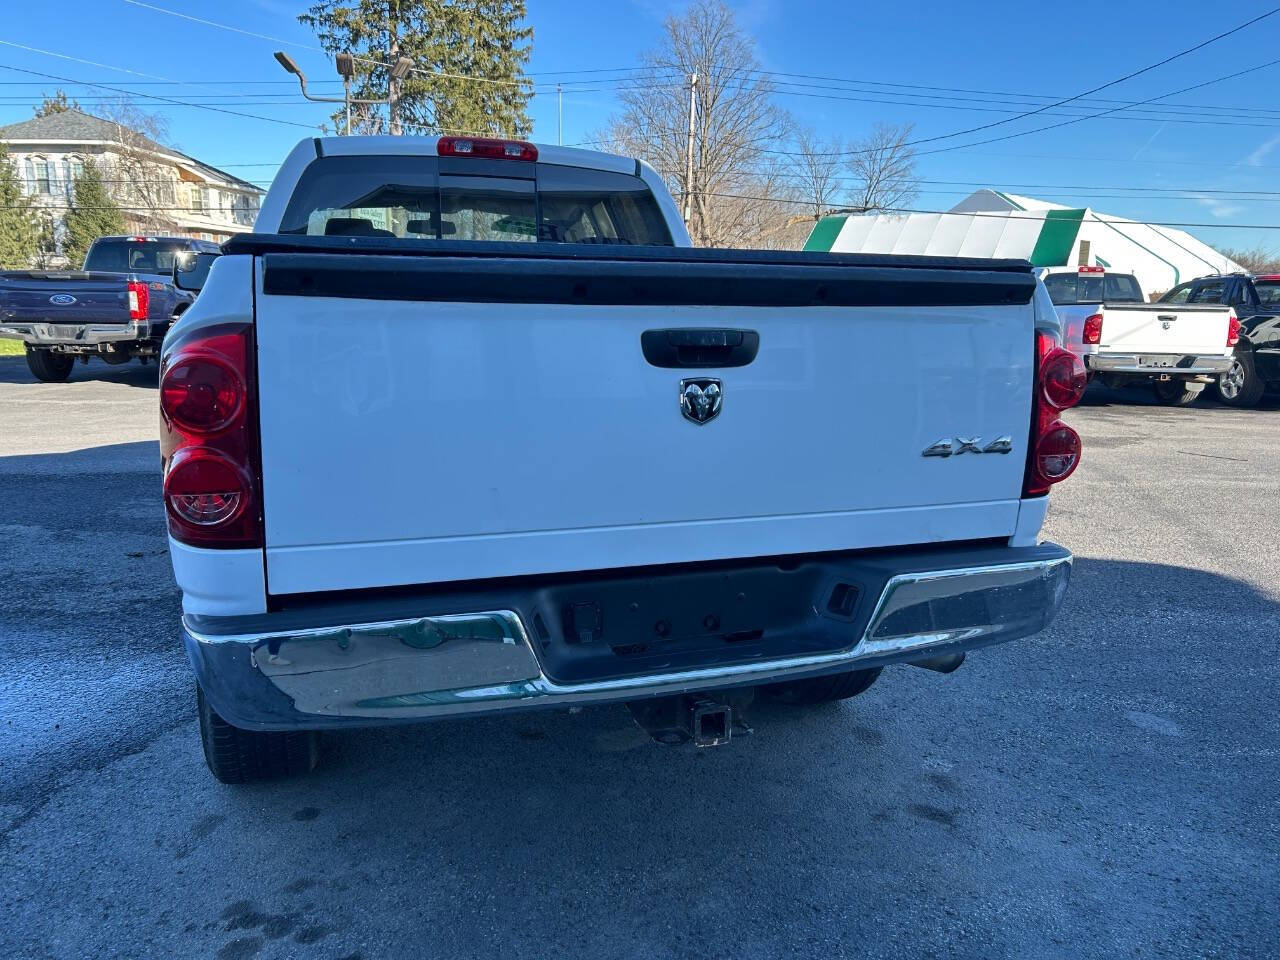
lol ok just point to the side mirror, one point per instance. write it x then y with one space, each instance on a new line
191 269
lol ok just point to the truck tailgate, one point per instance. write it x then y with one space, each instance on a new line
445 418
63 297
1159 328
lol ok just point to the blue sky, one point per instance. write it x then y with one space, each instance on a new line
1006 51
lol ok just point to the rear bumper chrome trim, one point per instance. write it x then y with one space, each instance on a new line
1172 363
428 667
75 334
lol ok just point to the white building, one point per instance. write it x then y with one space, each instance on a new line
159 189
989 223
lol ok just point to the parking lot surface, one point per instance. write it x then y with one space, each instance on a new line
1108 788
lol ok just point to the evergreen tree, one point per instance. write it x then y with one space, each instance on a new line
19 230
450 42
93 214
56 104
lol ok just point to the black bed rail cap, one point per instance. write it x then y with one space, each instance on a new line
264 243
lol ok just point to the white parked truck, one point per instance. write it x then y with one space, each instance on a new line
467 427
1107 322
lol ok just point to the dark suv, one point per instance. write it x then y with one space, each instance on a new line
1257 303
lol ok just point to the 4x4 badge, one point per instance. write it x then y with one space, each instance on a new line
949 446
700 399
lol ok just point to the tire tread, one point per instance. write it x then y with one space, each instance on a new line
234 755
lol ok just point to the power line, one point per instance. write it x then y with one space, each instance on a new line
154 96
1104 86
1220 119
843 84
1067 123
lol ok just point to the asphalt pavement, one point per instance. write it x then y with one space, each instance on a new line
1108 788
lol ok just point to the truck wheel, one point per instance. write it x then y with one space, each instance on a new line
48 366
815 690
246 756
1241 386
1177 393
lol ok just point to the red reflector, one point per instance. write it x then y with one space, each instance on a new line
1063 379
487 148
1233 330
1093 270
201 394
139 300
1093 329
1057 452
205 489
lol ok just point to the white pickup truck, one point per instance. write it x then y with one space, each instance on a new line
466 427
1126 341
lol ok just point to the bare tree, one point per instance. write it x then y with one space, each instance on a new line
816 168
883 165
1257 260
734 183
145 186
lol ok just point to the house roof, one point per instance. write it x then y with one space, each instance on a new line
72 125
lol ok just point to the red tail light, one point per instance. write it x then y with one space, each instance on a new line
1093 269
208 438
487 148
139 300
1054 450
1233 330
1093 329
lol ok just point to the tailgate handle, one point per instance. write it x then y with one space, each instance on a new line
700 347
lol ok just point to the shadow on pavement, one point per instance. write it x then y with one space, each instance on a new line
112 458
1069 794
134 374
1102 789
1100 395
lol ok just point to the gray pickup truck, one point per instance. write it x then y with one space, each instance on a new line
117 308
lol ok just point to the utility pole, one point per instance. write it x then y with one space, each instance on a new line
688 155
393 88
559 114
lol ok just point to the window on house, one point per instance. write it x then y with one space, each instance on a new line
42 176
197 200
72 170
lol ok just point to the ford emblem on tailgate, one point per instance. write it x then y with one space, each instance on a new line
700 399
62 299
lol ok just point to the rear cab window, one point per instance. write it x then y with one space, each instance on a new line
1069 288
127 255
445 198
1210 291
1268 291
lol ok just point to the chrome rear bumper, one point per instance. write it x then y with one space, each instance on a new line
440 666
75 334
1151 364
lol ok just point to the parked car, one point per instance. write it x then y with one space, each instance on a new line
118 308
412 471
1256 300
1127 341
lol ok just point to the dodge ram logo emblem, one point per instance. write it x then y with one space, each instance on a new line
62 299
700 399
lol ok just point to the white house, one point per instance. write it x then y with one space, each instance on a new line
159 189
990 223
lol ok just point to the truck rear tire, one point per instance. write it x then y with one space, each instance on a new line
50 367
1176 393
815 690
1241 386
247 756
